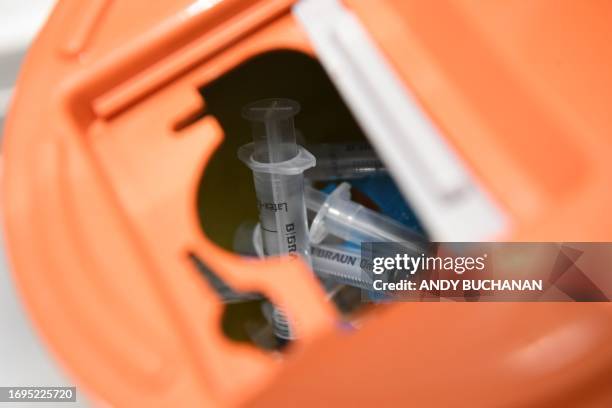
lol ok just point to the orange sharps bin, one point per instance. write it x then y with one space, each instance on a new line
491 116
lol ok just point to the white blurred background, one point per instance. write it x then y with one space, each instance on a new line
24 360
19 22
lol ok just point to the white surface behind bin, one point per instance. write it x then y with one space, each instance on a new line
19 23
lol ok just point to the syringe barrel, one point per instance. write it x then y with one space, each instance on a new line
336 161
357 223
282 214
341 265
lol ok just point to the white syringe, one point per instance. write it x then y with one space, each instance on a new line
337 215
344 161
278 163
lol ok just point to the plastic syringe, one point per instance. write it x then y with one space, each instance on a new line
337 215
337 161
278 163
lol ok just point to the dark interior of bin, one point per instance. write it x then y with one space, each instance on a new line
226 196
